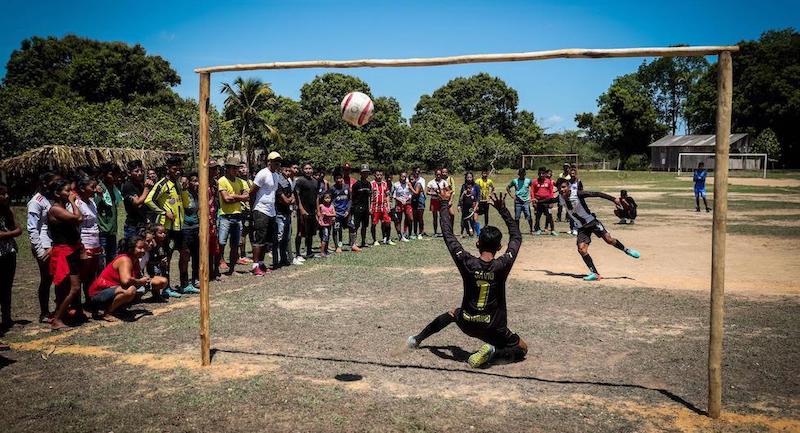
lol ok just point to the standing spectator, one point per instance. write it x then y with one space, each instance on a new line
522 197
36 225
418 199
487 188
107 199
8 257
166 200
402 192
341 203
247 218
324 186
264 212
361 193
190 236
549 223
90 234
542 190
468 204
563 177
233 192
326 218
134 194
435 186
699 178
65 255
307 191
379 208
213 210
451 184
348 180
284 200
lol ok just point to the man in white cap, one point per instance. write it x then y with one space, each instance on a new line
263 195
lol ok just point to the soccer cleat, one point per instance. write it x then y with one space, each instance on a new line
592 277
482 356
412 343
171 293
633 253
190 289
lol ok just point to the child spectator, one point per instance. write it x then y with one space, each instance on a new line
341 202
326 218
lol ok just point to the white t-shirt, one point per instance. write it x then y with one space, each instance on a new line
267 183
435 186
402 191
90 231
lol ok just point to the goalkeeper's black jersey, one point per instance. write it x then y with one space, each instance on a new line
484 282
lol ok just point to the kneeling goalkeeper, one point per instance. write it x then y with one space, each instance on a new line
483 308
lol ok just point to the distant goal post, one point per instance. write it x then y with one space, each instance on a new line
553 161
737 162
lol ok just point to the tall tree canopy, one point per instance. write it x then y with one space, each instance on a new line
626 121
668 81
92 70
766 92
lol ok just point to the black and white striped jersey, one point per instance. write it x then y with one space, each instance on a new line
576 205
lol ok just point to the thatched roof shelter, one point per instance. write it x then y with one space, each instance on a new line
69 158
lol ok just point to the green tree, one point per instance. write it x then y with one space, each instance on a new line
766 91
92 70
668 81
767 142
626 121
244 102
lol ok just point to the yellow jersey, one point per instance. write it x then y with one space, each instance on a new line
237 186
166 195
486 187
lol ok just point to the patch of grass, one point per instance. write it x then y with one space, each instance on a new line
764 230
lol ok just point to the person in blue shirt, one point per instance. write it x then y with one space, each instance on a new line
700 187
522 197
340 191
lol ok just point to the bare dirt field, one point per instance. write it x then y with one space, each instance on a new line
321 347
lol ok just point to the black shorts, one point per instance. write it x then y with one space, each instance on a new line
585 232
361 217
483 208
176 238
306 225
263 228
499 337
190 238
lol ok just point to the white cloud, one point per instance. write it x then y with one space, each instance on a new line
553 120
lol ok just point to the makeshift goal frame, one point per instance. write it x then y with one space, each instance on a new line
533 157
723 129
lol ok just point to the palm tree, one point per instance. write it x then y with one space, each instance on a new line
244 101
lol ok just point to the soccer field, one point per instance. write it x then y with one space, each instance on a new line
320 347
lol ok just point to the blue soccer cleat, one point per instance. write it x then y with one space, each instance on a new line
592 277
633 253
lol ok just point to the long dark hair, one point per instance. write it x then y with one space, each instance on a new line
56 187
127 244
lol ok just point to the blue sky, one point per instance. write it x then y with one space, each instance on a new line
197 33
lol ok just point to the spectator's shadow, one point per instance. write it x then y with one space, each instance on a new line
133 315
5 362
571 275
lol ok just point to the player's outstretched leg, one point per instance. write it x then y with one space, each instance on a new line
435 326
618 245
583 250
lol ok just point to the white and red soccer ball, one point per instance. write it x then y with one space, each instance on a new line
357 108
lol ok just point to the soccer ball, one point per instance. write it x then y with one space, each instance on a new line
357 108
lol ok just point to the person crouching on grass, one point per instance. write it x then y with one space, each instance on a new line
116 285
483 312
586 224
626 210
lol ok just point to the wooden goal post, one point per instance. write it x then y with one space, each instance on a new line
724 103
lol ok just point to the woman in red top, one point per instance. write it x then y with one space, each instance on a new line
116 285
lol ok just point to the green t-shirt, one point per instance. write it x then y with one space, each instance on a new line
523 189
107 202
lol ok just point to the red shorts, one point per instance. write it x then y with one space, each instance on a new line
435 204
404 208
381 216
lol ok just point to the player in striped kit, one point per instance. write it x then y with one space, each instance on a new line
586 223
379 207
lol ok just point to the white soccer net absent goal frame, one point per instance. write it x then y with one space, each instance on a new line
687 161
529 161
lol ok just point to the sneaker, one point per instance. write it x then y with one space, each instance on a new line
404 239
592 277
376 244
538 232
633 253
297 261
697 209
412 237
171 293
553 233
190 289
301 259
412 343
258 272
390 242
631 222
708 209
140 290
482 356
355 249
623 221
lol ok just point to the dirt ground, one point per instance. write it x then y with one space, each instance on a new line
321 347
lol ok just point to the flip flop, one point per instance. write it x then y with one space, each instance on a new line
4 347
61 328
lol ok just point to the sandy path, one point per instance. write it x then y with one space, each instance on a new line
675 255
